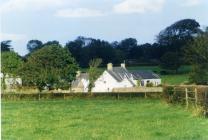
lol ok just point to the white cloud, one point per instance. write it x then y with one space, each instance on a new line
139 6
13 37
191 3
78 13
32 5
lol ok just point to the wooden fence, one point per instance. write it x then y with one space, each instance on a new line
139 90
49 95
188 95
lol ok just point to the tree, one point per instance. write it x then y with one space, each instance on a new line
85 49
75 48
179 33
101 49
126 45
6 46
54 42
197 54
119 56
94 72
170 61
176 36
49 65
34 45
10 62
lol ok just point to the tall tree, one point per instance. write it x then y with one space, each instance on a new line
126 45
176 36
179 33
173 39
197 55
54 42
52 64
34 45
75 47
101 49
6 45
170 62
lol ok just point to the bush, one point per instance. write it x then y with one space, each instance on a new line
167 94
149 84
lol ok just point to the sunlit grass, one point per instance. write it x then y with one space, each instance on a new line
99 119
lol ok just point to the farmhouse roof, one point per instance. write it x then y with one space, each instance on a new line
119 73
144 75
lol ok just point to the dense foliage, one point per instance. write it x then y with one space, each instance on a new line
171 39
10 62
197 55
50 66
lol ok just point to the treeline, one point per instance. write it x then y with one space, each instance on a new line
180 43
167 50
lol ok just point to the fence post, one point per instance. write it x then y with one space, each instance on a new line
64 96
206 105
196 96
145 95
187 103
39 96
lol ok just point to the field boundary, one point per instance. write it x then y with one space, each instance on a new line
139 90
188 95
42 96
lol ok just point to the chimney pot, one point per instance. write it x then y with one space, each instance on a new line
78 73
109 66
123 65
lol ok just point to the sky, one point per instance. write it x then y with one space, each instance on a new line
111 20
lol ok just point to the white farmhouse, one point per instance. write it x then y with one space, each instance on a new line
113 77
143 78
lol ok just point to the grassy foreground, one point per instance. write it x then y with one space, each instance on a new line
99 119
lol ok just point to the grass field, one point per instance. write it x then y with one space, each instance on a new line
175 79
99 119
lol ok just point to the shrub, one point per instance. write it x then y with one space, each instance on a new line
149 84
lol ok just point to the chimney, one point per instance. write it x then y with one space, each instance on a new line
78 73
109 66
123 65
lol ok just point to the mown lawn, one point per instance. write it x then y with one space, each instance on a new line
99 119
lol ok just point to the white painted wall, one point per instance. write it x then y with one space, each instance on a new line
105 83
155 82
9 82
86 84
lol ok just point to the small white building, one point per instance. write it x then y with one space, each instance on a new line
120 77
11 81
81 83
113 77
146 78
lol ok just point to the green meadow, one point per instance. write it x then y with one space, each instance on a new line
145 119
